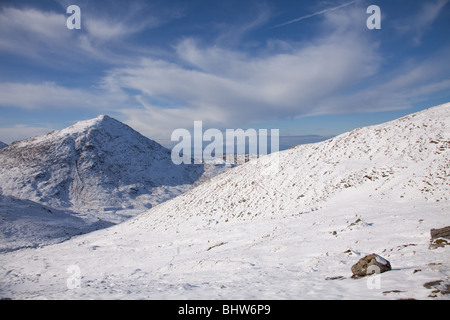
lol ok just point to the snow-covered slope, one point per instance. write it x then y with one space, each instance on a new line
291 231
26 224
2 145
99 164
408 155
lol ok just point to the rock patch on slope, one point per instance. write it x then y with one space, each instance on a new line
370 264
440 237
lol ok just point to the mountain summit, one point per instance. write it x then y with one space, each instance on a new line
99 164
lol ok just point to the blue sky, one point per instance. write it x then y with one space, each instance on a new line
304 67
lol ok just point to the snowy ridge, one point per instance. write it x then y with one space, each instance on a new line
292 233
409 155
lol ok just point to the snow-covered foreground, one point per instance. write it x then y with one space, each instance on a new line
259 232
24 223
297 257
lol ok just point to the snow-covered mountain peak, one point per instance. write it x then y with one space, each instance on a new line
102 121
95 163
103 125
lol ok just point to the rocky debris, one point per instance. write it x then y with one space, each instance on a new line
216 245
440 233
440 237
370 264
432 284
392 291
335 278
438 286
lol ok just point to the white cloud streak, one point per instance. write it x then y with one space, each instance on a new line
25 30
20 132
226 88
48 95
43 36
420 24
315 14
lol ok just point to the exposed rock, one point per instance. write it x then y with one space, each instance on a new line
432 284
440 233
216 245
370 264
335 278
438 286
392 291
440 237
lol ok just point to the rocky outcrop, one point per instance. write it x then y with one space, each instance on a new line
440 237
370 264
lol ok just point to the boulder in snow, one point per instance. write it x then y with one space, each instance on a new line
370 264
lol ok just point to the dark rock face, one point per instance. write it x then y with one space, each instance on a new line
370 264
440 233
440 237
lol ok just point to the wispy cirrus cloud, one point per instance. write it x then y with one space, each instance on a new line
324 11
339 70
227 87
232 35
20 132
43 35
421 22
49 95
28 32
